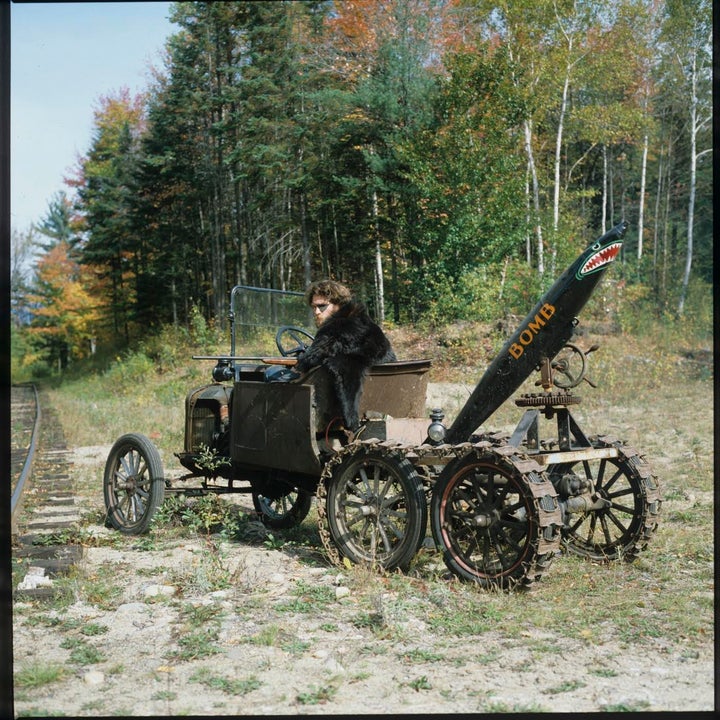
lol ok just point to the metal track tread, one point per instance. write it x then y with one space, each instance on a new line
426 455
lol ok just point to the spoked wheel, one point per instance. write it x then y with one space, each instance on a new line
133 484
623 528
494 524
376 509
280 505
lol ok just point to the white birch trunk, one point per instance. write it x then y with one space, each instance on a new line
641 212
535 196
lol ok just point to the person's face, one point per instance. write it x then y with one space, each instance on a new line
322 309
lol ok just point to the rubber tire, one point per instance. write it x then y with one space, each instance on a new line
130 510
352 489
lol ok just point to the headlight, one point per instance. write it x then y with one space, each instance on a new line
436 430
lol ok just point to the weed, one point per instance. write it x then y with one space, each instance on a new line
94 705
473 618
307 598
372 621
164 695
563 687
639 706
37 675
94 629
420 656
294 646
268 636
501 707
196 644
230 686
421 683
317 695
198 633
42 713
81 652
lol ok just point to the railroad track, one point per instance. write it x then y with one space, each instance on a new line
43 503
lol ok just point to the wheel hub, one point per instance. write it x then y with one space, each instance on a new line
486 519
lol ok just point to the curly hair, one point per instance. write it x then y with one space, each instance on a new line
335 292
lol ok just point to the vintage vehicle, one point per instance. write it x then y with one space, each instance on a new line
500 507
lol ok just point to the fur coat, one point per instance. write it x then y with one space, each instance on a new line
348 343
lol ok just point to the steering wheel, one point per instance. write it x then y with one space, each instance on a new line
569 367
296 334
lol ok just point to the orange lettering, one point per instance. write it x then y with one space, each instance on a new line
535 326
516 350
547 311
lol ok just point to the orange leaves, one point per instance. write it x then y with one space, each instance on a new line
62 307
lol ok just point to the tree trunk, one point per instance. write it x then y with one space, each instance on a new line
535 196
379 284
693 182
641 210
603 228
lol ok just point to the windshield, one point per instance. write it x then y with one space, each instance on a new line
257 313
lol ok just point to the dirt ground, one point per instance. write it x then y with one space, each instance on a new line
277 653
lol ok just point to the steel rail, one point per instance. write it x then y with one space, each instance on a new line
27 467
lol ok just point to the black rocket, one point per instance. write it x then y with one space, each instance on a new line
541 335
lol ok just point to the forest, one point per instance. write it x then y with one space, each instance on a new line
444 158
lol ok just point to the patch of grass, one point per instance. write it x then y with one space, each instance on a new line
317 695
563 687
420 655
268 636
81 652
95 706
38 675
94 629
468 616
307 598
230 686
99 588
639 706
164 695
420 683
294 646
198 632
370 620
42 713
494 706
208 573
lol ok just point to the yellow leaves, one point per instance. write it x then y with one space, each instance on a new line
64 308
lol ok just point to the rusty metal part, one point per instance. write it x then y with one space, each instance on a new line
496 518
547 399
625 508
429 459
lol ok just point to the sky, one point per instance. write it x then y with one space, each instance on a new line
64 57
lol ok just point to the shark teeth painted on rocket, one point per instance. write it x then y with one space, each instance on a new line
600 258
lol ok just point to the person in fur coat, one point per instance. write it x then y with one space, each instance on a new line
347 343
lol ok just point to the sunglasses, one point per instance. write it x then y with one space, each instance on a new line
322 307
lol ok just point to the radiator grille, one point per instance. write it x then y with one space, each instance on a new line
203 427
